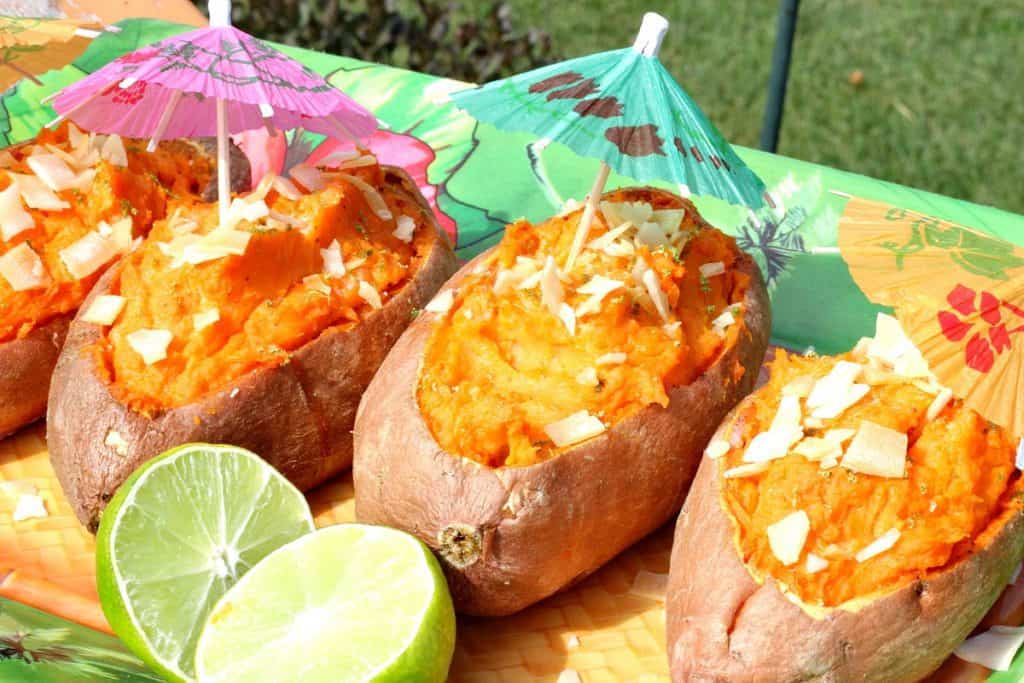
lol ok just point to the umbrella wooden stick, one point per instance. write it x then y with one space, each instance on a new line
593 199
223 162
220 15
165 119
648 41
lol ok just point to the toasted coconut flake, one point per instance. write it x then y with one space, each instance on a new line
817 449
671 328
602 242
308 177
442 303
405 227
116 442
87 255
551 293
716 448
373 197
316 283
813 423
334 266
651 235
723 322
879 545
572 641
994 648
650 281
815 564
617 213
370 295
669 220
215 245
800 386
574 429
53 171
841 402
767 446
290 221
286 188
568 318
29 507
788 536
840 436
1020 455
747 470
150 344
650 585
712 269
36 194
939 404
615 358
570 205
837 381
104 309
587 377
202 320
569 676
877 450
113 151
14 219
598 287
23 269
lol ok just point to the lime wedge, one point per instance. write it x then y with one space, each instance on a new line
178 534
348 603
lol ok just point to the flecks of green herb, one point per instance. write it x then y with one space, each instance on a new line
705 285
923 488
127 208
851 477
361 229
414 313
825 473
368 253
710 308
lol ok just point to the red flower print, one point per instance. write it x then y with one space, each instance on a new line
984 345
953 327
130 95
962 299
979 354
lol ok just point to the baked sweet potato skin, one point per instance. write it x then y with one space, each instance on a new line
510 537
297 416
724 626
25 368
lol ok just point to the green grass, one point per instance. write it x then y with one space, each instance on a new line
941 106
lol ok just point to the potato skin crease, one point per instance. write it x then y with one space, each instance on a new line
541 527
297 416
724 626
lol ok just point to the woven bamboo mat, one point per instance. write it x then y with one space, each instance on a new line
599 629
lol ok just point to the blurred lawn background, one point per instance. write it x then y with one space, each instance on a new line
926 93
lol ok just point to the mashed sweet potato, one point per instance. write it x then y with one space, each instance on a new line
139 191
233 314
506 362
959 478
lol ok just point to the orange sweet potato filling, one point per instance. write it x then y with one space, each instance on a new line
141 191
499 368
265 309
961 485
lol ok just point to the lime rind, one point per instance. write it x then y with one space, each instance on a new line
347 603
188 524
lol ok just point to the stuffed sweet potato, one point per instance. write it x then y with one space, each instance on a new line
262 332
852 521
70 205
533 423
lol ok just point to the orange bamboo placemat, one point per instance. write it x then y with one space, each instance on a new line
599 629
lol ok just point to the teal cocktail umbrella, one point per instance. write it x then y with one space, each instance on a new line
624 108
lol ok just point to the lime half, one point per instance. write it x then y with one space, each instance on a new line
178 534
348 603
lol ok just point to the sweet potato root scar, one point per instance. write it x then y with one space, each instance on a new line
461 545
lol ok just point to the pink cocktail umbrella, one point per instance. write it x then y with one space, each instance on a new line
212 81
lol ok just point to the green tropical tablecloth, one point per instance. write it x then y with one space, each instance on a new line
480 178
